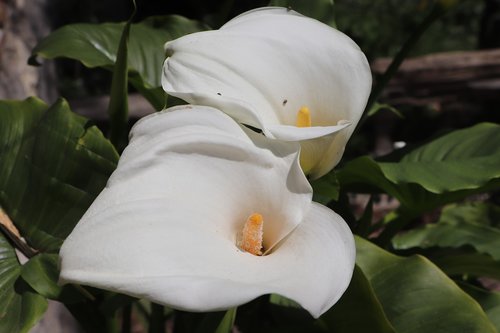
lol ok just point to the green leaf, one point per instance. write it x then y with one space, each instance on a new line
54 164
452 231
42 272
470 264
489 301
358 310
20 308
364 175
445 170
326 188
17 121
416 296
472 212
322 10
96 45
461 160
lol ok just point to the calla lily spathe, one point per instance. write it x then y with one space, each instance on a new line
166 226
265 65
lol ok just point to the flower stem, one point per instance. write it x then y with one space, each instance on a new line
157 320
126 318
433 15
118 99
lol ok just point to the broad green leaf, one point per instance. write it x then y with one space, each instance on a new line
17 123
461 160
452 231
489 301
42 272
358 310
20 308
53 165
322 10
416 296
469 264
472 212
365 175
96 45
445 170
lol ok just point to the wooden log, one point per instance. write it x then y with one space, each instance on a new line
444 78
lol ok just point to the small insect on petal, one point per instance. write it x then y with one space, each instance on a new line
252 235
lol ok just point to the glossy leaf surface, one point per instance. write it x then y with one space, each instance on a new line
54 163
20 307
416 296
96 45
469 158
455 230
445 170
489 301
41 273
358 310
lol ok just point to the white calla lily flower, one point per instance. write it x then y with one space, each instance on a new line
180 219
295 78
